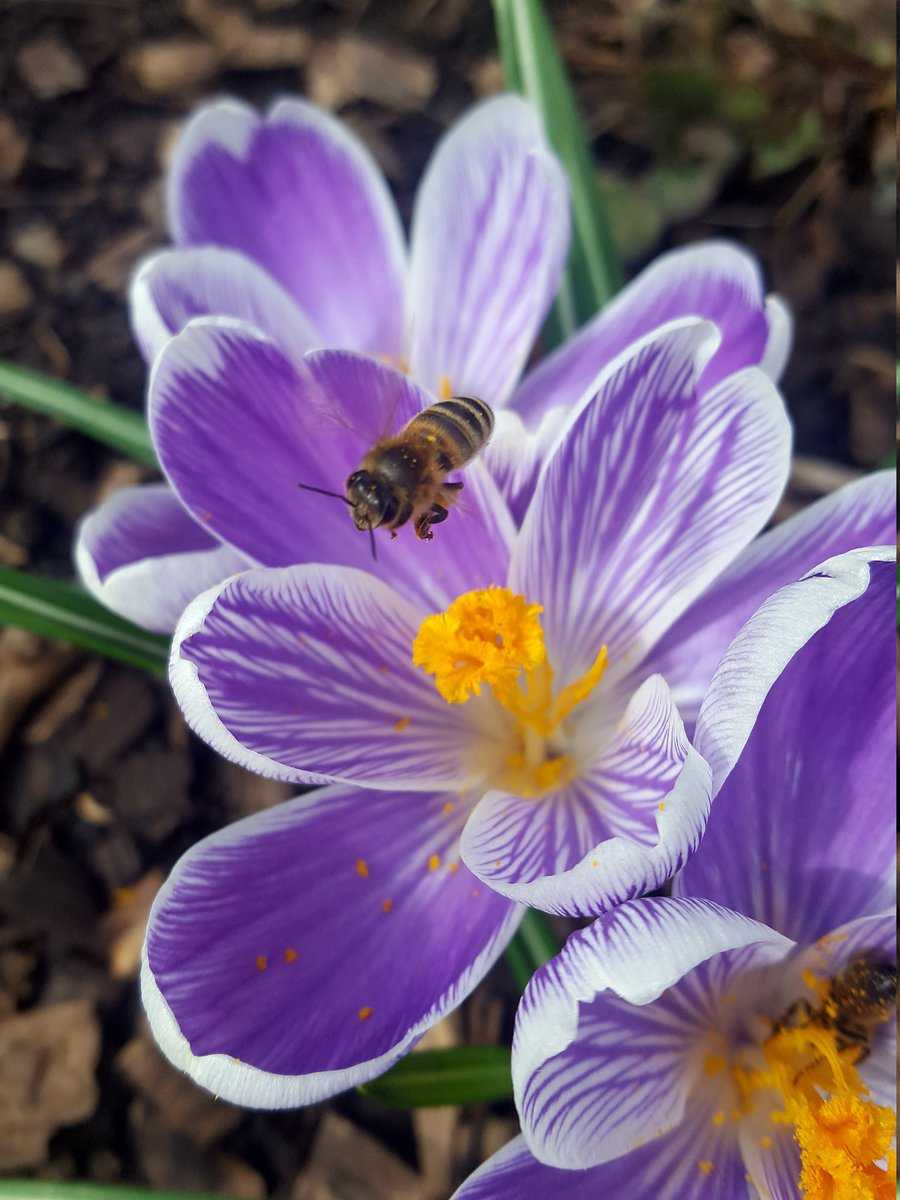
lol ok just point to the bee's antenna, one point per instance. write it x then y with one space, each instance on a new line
324 492
372 543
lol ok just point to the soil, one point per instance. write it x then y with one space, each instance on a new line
770 124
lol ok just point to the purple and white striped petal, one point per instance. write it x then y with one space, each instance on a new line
303 950
713 280
652 489
690 1163
609 1041
515 455
142 555
237 426
305 674
620 830
803 833
771 1157
863 513
765 646
171 288
489 237
298 193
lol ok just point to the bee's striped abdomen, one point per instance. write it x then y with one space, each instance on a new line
462 424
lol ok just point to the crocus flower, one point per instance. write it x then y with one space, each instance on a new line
306 674
692 1047
284 224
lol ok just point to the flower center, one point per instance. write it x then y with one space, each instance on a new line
841 1133
493 638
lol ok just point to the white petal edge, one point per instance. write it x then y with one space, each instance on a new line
781 337
237 1082
619 868
764 647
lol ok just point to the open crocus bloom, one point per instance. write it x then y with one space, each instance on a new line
696 1047
307 674
284 224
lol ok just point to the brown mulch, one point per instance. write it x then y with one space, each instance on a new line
759 121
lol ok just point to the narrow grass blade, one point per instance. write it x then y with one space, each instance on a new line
46 1189
63 611
532 66
102 420
533 945
429 1078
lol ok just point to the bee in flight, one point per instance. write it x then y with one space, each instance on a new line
862 996
403 476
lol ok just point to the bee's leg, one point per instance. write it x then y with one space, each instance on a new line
434 516
454 487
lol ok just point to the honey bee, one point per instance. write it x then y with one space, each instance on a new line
860 997
403 477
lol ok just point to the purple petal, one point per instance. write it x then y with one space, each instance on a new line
771 1157
297 192
861 514
713 280
605 1048
303 950
803 833
237 426
515 455
490 233
667 1169
172 288
620 830
141 555
651 491
306 674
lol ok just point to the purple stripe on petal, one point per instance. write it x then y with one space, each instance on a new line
618 831
238 426
667 1169
803 833
713 280
605 1049
861 514
297 192
490 233
141 555
172 288
306 673
303 950
650 492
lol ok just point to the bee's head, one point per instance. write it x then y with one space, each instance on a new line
372 500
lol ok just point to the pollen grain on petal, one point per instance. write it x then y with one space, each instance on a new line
448 808
365 1012
262 961
362 868
434 862
290 955
387 905
445 388
705 1166
401 723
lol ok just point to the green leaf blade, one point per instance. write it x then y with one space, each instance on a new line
102 420
532 66
433 1078
54 609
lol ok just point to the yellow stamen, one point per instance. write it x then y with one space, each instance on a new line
445 388
493 638
841 1134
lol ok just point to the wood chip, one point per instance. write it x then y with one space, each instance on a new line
47 1063
174 64
180 1104
50 69
16 296
38 243
112 266
24 676
126 922
351 67
13 149
346 1162
68 700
